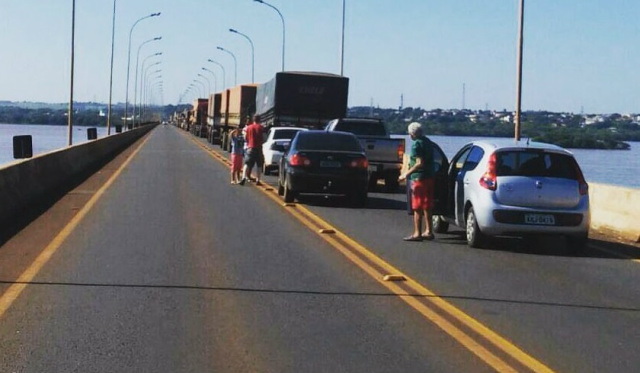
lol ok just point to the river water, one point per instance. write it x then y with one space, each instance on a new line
615 167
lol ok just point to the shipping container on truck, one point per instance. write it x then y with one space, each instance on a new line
302 99
199 119
238 104
213 118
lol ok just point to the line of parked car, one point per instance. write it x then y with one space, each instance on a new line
496 187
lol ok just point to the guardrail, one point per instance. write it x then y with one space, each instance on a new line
25 183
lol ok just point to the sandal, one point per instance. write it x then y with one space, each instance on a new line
413 238
428 237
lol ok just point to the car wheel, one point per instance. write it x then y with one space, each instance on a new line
439 224
358 199
288 194
577 244
280 187
391 183
475 238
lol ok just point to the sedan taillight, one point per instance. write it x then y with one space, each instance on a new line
299 160
358 163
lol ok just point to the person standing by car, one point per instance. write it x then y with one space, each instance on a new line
254 138
420 173
237 152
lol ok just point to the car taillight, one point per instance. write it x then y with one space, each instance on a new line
583 187
299 160
401 150
488 179
358 163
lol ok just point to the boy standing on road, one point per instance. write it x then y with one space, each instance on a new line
254 138
421 176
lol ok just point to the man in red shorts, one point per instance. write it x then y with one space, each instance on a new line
254 138
421 176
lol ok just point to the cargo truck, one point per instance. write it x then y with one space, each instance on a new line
237 106
213 118
302 99
199 117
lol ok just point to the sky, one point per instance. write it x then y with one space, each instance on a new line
579 56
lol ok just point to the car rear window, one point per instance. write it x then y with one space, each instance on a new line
285 134
371 128
536 163
327 141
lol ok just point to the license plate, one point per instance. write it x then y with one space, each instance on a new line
332 164
539 219
373 168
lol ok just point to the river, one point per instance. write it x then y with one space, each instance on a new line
615 167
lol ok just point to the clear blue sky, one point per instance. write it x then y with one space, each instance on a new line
578 54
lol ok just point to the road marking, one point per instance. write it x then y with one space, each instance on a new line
10 295
414 294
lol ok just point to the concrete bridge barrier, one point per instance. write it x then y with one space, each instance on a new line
24 183
615 211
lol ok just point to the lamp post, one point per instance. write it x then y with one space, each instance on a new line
519 78
135 100
135 89
235 66
215 79
224 84
113 34
200 86
73 37
342 40
252 52
282 19
126 100
208 83
145 92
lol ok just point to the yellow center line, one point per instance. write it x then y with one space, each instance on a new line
13 292
347 246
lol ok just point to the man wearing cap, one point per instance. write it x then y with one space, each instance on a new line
420 174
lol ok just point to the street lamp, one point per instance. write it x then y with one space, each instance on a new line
215 78
201 85
282 19
113 35
135 100
252 52
73 38
208 83
519 78
145 84
135 89
235 64
342 40
126 101
224 84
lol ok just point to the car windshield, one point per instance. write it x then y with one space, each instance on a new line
327 141
536 163
363 128
285 134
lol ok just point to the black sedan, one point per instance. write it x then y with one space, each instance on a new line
328 163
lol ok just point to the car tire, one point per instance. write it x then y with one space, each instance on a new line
439 224
358 199
287 193
280 188
266 170
577 244
475 238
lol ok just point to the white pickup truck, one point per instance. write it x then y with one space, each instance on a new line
383 153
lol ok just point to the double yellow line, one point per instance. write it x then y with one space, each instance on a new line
493 349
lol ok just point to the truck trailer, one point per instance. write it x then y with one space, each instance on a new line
237 106
213 118
199 117
302 99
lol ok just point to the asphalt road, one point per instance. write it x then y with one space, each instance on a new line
158 264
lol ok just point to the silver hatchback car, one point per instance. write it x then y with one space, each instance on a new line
506 188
